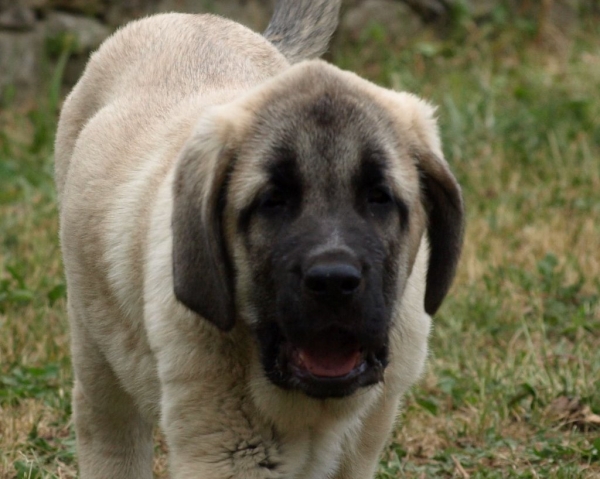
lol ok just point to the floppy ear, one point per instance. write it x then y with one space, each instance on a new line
445 208
202 271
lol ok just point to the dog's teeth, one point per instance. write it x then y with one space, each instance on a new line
298 358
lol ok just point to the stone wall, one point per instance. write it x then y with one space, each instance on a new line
30 30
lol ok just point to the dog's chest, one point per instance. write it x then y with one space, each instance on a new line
306 458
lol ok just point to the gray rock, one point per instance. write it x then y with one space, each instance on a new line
254 14
88 33
20 61
118 12
85 7
17 17
35 4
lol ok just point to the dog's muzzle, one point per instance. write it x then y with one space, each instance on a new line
330 339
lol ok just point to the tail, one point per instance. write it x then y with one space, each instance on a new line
301 29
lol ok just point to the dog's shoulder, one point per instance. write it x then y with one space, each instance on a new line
153 64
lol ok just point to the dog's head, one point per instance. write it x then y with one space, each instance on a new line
300 209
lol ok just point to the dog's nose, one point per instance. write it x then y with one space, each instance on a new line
332 279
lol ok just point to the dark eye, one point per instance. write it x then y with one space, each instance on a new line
274 199
379 195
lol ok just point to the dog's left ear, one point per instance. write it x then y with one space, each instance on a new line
444 205
440 192
202 271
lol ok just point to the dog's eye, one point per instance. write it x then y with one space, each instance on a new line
273 200
379 195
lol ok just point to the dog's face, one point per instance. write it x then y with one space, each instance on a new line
302 214
324 238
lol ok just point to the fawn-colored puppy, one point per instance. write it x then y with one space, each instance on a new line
253 242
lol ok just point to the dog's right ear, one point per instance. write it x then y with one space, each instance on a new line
202 270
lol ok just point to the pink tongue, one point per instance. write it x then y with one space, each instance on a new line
330 364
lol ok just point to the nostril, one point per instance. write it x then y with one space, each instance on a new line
332 279
316 284
350 284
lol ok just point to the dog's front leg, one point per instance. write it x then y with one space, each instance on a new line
211 426
362 451
200 446
114 440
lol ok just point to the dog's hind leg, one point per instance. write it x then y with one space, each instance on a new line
114 441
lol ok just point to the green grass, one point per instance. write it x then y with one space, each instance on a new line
513 384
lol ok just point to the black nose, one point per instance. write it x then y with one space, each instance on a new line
332 279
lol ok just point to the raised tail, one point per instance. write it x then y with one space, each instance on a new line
301 29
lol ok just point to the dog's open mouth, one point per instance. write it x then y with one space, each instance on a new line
332 364
331 355
326 364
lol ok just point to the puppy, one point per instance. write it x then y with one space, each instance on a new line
253 242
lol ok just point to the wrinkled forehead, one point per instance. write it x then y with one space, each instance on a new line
327 140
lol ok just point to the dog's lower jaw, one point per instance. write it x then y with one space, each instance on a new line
283 366
368 371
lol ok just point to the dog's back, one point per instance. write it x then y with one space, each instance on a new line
168 57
